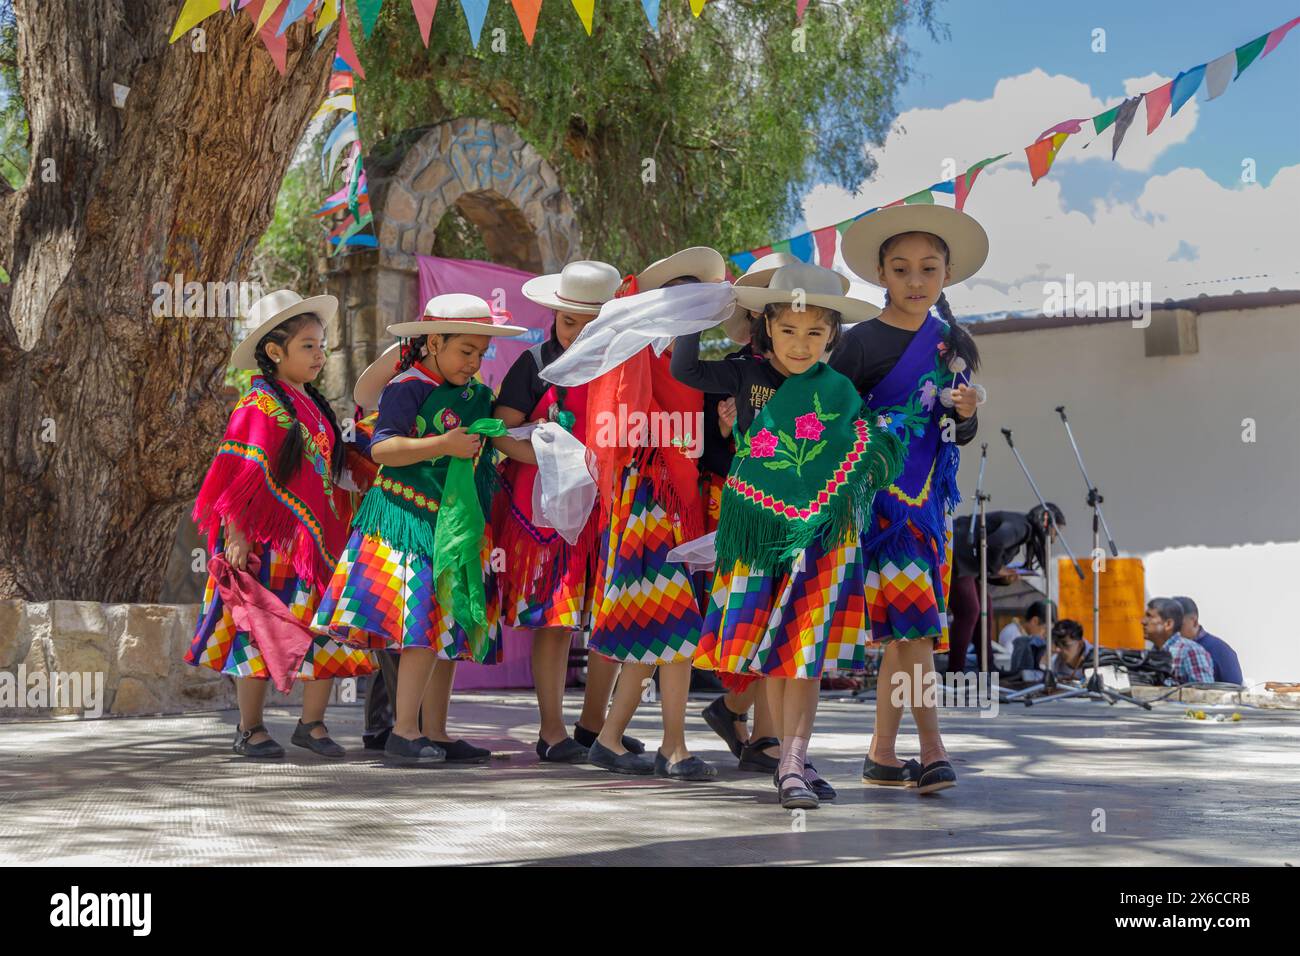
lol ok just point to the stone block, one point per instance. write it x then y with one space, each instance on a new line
145 648
15 636
135 697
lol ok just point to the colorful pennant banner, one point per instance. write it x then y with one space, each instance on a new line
820 245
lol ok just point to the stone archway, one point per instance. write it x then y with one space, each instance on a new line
486 172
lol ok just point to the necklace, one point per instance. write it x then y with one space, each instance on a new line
322 429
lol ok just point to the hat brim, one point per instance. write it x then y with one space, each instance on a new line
850 309
370 384
737 324
968 243
545 291
409 330
245 354
703 263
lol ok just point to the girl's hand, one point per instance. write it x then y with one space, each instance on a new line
236 547
726 416
458 443
964 399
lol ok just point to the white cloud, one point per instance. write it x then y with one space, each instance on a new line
1181 231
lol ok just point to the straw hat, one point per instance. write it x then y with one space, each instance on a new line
370 385
272 309
968 243
581 287
818 286
703 263
457 313
759 274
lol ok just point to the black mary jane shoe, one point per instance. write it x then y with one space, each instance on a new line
462 751
420 752
754 760
266 750
567 750
692 768
722 721
636 765
588 737
797 796
819 786
323 746
936 776
883 775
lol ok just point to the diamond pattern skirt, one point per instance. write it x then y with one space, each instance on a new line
906 594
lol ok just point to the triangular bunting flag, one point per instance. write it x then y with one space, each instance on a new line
967 179
585 10
1247 52
193 13
475 14
1157 104
1218 74
801 7
825 240
268 8
292 14
922 198
1069 126
346 51
697 6
651 8
782 246
1277 35
369 10
340 81
1185 86
802 246
329 13
343 101
743 261
424 11
276 45
526 12
1042 154
1123 120
1102 120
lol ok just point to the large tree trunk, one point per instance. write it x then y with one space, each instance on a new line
182 180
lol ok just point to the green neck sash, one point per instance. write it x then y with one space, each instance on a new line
808 466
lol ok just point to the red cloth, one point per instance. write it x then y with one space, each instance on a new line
282 639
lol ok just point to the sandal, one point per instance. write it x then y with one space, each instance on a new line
567 750
722 721
462 751
936 776
692 768
754 760
588 737
266 750
797 797
322 745
883 775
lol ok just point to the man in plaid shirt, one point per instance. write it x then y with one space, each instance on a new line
1163 621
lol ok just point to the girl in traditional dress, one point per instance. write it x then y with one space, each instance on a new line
913 366
272 508
787 596
546 584
412 577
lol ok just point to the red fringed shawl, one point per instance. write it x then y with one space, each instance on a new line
305 518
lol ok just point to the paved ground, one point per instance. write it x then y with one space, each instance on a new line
145 792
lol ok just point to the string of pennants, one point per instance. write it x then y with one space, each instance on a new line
820 245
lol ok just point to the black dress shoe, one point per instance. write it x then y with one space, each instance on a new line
420 752
637 765
754 760
588 737
318 745
722 720
462 751
797 796
692 768
883 775
266 750
936 776
819 786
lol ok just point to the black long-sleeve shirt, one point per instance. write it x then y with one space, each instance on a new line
869 350
1008 532
750 379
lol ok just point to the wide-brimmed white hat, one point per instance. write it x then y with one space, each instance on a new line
701 262
817 286
968 243
370 384
457 313
759 274
272 309
581 287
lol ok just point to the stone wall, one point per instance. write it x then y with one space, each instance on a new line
138 648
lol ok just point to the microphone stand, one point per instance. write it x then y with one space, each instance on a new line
1096 687
980 498
1048 682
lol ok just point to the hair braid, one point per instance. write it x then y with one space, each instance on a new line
290 456
336 459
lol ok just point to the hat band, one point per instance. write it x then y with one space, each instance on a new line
564 298
486 319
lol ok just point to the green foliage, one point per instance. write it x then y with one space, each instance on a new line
735 119
286 254
14 157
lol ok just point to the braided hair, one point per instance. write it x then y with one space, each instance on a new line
289 460
957 339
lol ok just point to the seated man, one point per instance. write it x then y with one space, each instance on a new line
1162 622
1025 652
1227 670
1073 651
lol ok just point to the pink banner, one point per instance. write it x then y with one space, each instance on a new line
500 286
